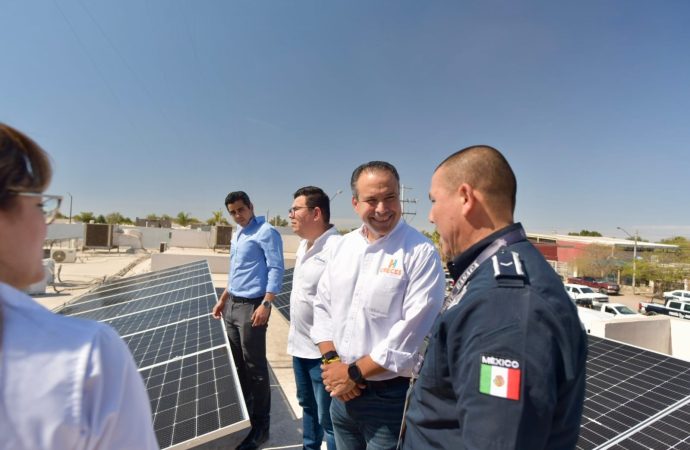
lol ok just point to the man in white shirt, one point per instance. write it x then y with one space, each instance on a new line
309 216
377 299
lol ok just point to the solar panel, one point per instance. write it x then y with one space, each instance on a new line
282 300
182 353
634 398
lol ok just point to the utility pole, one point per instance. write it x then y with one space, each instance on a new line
634 256
403 201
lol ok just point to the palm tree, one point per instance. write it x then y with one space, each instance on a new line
84 216
217 219
183 218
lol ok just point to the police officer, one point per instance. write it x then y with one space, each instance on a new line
505 363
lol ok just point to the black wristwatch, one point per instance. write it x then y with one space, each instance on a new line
329 357
355 374
266 304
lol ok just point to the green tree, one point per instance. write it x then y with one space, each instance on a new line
585 233
217 219
115 218
84 217
100 219
278 221
683 253
435 237
183 218
597 261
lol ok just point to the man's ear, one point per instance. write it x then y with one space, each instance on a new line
317 214
467 198
354 201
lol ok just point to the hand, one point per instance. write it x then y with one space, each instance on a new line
338 382
260 316
354 393
218 309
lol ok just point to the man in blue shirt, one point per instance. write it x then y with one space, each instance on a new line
256 275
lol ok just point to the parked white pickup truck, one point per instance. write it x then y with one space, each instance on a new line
584 295
617 310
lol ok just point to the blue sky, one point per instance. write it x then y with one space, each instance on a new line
164 106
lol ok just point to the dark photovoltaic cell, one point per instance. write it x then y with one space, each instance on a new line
192 397
634 398
181 351
282 300
174 341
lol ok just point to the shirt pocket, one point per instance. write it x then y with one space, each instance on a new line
386 297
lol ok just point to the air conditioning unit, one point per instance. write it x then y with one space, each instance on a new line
98 235
63 255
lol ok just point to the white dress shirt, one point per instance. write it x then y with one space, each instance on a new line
380 299
309 265
67 383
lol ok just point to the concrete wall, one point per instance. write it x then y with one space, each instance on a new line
290 243
217 263
191 239
65 231
680 338
653 333
650 332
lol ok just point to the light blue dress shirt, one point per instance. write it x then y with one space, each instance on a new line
256 260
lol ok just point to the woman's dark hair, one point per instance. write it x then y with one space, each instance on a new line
24 166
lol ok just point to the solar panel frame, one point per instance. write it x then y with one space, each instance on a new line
168 326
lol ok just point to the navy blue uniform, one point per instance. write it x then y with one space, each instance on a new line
505 367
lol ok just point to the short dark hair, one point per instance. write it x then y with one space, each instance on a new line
236 196
24 165
316 198
485 169
372 166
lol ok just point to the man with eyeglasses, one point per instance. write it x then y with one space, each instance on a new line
256 275
376 300
309 216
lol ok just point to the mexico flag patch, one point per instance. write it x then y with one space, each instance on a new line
500 377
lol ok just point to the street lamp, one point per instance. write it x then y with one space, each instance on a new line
70 207
634 256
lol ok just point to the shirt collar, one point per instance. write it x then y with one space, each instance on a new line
321 240
254 222
363 232
464 259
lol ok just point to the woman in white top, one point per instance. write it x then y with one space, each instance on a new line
65 383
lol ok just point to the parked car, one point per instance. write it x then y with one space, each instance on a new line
618 310
598 284
584 295
678 294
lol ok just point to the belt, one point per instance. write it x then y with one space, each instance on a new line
237 299
384 384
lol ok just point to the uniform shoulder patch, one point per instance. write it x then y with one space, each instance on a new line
507 264
500 377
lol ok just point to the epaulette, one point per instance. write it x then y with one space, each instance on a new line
508 270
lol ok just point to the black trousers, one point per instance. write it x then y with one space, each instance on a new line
248 345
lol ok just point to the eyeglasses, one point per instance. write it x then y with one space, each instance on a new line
50 204
294 209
